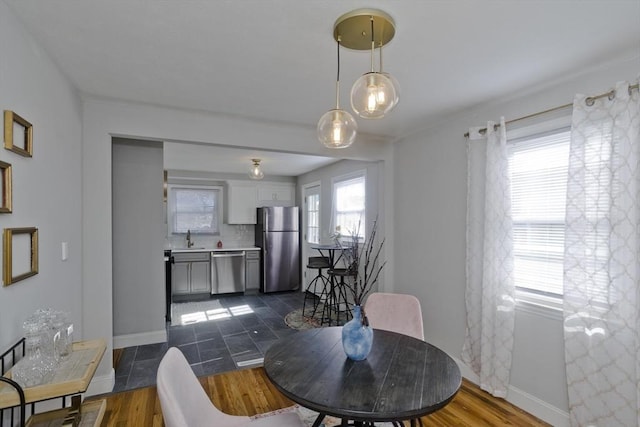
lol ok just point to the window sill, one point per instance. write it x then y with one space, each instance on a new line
538 305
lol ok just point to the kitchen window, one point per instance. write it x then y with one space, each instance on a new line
538 165
349 205
195 209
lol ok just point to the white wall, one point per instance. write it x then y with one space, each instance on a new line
46 187
430 192
138 240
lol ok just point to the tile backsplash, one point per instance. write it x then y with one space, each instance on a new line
230 235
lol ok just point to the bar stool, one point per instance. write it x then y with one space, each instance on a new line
319 263
338 294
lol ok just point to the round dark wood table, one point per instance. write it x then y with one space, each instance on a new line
402 378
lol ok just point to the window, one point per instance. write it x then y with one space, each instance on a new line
313 218
349 205
539 165
195 209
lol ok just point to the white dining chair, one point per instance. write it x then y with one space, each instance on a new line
399 313
184 402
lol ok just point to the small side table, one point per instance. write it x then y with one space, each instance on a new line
71 378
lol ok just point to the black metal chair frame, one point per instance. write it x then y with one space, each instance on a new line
337 295
319 263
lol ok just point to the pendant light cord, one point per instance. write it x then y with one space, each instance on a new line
338 74
373 44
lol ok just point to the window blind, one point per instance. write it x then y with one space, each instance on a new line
538 168
194 209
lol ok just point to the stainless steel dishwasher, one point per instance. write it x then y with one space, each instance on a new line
227 272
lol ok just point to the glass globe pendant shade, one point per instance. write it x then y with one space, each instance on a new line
373 95
255 172
396 87
337 129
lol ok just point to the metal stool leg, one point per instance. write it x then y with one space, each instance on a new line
329 303
309 293
340 296
343 296
323 294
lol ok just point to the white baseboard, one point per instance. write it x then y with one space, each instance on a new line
537 407
523 400
132 340
102 384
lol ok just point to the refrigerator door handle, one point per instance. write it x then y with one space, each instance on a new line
266 221
266 244
265 232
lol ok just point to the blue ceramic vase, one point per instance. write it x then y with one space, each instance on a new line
356 337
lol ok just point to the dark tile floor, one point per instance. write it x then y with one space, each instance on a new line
215 346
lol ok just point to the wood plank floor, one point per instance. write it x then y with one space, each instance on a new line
249 392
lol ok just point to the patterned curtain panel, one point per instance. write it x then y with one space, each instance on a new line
490 288
602 261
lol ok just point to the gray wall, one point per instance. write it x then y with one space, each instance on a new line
138 239
46 187
430 221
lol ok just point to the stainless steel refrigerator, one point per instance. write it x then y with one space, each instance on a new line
278 237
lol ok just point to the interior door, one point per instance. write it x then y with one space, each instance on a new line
311 229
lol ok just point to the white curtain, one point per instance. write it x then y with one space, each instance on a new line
490 288
602 262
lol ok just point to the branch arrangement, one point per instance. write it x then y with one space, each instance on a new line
363 263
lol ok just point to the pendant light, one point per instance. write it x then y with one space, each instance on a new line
337 128
255 172
394 81
374 94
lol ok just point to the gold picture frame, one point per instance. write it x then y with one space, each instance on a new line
11 119
9 256
6 200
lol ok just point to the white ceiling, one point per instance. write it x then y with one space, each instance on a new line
204 157
276 60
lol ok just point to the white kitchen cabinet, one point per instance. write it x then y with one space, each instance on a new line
252 271
243 197
240 202
191 273
276 194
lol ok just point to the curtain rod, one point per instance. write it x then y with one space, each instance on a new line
589 101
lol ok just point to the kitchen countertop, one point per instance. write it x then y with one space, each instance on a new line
230 248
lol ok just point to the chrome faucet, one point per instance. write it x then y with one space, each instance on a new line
189 242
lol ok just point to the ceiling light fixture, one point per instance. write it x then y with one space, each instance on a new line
374 94
337 128
255 172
